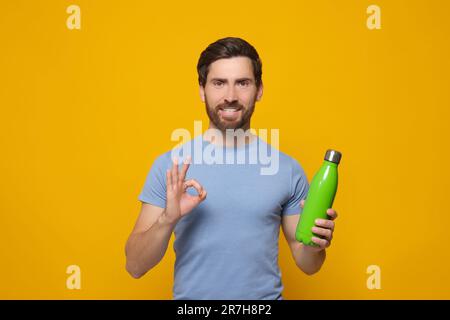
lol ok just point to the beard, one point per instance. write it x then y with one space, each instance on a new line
224 124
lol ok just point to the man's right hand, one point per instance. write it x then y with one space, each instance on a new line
178 202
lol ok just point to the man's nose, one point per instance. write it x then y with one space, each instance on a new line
231 95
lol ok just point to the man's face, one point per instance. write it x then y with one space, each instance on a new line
230 93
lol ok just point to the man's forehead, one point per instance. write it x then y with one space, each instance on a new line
236 67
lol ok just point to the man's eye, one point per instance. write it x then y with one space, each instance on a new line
218 83
244 83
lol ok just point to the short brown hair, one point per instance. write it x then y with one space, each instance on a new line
227 48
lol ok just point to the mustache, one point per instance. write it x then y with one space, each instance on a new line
233 105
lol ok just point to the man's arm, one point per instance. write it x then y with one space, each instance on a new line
309 259
148 241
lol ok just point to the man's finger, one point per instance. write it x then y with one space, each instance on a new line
194 183
328 224
327 233
321 242
184 169
175 171
332 213
169 179
302 203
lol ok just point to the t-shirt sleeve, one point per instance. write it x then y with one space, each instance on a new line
154 190
299 190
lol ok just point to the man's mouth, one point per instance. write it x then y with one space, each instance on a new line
230 113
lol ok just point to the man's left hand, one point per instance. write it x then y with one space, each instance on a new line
323 228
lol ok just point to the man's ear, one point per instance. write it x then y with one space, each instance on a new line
259 93
202 93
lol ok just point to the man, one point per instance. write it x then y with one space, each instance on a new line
227 231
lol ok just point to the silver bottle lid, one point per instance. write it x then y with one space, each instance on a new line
333 156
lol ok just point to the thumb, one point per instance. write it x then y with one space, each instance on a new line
302 203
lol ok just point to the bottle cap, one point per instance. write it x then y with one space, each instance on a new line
333 156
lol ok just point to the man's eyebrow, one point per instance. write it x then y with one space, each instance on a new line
219 79
237 80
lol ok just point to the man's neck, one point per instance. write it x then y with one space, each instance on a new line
230 141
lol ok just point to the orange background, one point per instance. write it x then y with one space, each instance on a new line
85 112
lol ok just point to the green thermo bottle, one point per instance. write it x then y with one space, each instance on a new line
320 197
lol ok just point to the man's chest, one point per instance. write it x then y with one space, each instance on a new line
241 192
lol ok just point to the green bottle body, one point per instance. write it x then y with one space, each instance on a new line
320 198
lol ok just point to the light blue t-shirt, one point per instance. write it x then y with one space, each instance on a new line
227 247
